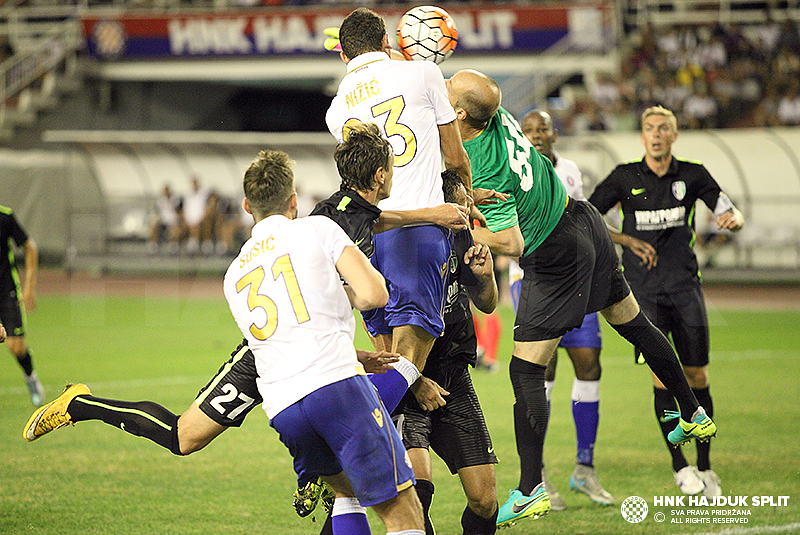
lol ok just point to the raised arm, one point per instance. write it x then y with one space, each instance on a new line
455 156
479 259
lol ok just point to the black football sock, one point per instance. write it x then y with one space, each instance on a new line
142 418
703 396
663 400
530 420
327 527
661 358
474 524
425 491
26 362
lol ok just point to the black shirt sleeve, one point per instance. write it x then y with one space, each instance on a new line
17 233
709 190
606 194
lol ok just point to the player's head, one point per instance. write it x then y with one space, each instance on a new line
659 132
269 185
362 31
475 97
365 159
453 188
537 125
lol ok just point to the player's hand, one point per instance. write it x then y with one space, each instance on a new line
483 196
429 394
479 259
643 250
731 220
2 333
377 361
451 215
476 215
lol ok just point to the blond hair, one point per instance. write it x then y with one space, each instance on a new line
661 110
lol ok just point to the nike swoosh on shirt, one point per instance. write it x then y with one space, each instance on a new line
358 242
637 191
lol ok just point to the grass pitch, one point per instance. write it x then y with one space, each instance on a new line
94 479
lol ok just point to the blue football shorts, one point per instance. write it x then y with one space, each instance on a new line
344 427
414 261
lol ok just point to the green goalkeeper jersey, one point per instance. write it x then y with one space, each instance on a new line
504 160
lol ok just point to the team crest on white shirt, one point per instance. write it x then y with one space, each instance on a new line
679 189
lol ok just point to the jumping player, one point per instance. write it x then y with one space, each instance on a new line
570 267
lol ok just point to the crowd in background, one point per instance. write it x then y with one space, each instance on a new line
203 222
710 76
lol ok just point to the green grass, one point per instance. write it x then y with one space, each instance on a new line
94 479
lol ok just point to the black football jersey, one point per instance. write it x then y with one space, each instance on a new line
458 341
660 211
354 214
10 231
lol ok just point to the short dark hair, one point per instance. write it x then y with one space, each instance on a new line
362 31
451 181
359 156
269 183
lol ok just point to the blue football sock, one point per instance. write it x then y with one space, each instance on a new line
349 517
393 384
586 413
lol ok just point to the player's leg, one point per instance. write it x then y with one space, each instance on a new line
632 324
423 473
350 420
557 502
18 347
414 424
480 515
583 347
691 337
224 402
686 477
414 261
460 437
12 317
531 414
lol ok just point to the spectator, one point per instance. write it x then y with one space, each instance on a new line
194 209
789 105
166 225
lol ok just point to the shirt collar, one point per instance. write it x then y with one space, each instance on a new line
673 167
363 59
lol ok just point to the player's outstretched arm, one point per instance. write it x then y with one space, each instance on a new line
449 215
366 286
507 242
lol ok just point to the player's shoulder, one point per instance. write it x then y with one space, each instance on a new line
693 166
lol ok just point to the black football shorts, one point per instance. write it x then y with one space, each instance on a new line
232 393
574 272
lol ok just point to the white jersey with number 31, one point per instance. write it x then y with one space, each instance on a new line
286 297
408 101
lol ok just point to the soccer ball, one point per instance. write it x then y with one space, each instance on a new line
427 33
